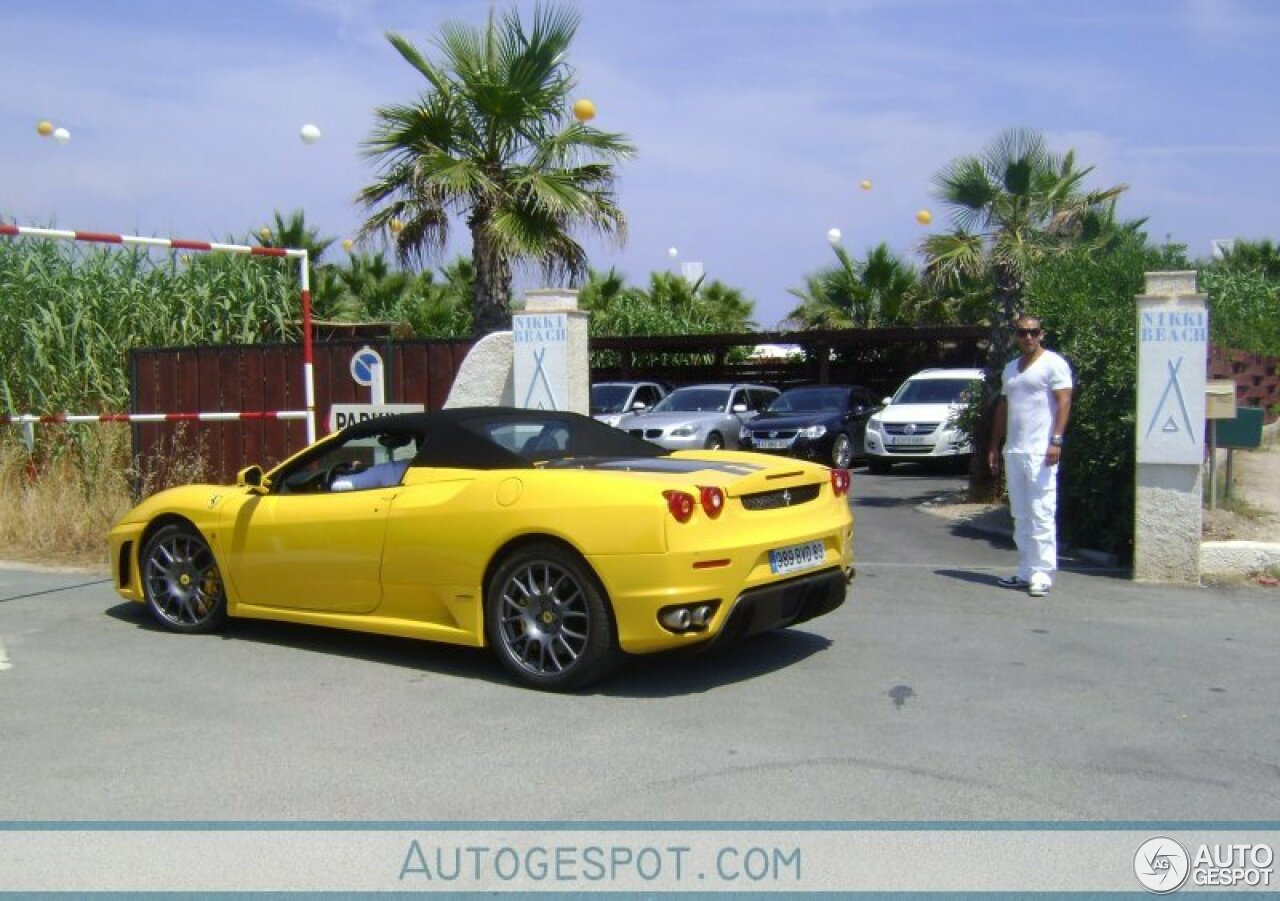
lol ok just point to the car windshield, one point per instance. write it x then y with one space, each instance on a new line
934 391
810 400
694 400
609 398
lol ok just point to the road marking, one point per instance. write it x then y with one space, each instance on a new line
4 658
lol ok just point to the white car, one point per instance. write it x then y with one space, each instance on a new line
610 401
919 421
700 416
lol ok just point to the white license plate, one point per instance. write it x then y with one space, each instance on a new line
797 557
773 443
914 440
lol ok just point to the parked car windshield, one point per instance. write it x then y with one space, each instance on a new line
609 398
934 391
810 400
694 400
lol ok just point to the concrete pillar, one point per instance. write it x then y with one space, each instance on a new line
552 366
1173 336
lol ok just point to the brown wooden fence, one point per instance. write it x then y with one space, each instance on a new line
267 377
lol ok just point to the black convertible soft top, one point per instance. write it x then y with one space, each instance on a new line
504 437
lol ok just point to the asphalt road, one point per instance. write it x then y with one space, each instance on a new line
932 694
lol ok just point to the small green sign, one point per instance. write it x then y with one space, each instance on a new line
1245 431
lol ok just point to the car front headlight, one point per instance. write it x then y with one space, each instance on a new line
683 431
812 431
873 424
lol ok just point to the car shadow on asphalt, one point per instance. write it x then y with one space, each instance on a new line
407 653
669 674
674 674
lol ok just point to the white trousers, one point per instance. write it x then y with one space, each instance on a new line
1033 499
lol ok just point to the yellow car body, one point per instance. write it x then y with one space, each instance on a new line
310 542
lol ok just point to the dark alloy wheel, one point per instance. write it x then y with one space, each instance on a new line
181 581
547 619
714 442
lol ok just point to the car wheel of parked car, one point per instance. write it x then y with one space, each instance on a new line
181 581
547 619
714 442
842 451
879 467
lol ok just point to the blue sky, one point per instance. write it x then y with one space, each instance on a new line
755 120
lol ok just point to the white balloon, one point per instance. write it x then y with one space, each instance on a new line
834 236
61 135
671 251
309 134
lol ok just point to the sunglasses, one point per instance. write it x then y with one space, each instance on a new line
1027 332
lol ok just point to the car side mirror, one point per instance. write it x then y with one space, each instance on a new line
739 408
639 406
886 401
251 477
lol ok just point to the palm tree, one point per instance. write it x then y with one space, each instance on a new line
1011 206
294 233
491 140
884 290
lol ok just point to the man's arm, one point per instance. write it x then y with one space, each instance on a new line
997 435
1054 452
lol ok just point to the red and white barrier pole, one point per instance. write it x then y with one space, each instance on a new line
243 415
200 247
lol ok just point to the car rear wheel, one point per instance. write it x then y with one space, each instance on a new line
547 619
841 451
714 442
181 581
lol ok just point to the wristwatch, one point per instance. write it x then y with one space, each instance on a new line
1056 441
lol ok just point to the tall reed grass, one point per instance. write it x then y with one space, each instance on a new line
69 316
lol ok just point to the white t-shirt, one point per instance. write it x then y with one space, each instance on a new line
1031 402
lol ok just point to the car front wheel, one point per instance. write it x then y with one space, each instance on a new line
547 619
841 451
181 581
714 442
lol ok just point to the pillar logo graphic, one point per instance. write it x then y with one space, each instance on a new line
1161 865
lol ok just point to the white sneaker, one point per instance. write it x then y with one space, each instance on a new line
1039 586
1014 581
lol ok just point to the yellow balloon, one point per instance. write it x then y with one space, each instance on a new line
924 217
264 233
347 244
865 185
396 226
584 110
44 129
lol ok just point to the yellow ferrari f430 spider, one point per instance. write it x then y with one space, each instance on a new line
560 542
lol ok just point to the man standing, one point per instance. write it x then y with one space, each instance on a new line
1030 420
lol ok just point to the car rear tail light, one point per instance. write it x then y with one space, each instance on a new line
840 480
680 504
712 500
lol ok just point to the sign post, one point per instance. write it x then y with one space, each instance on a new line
1173 340
550 362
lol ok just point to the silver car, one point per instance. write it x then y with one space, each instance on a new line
698 416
